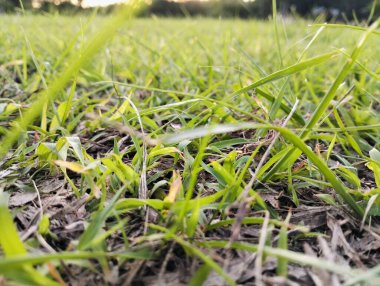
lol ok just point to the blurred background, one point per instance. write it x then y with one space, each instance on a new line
337 10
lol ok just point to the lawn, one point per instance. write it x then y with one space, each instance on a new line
188 151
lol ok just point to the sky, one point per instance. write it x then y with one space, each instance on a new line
93 3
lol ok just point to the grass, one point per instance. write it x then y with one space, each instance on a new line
144 148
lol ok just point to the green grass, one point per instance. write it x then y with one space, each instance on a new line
157 127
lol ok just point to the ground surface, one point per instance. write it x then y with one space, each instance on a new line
152 165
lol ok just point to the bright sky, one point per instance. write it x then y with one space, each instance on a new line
93 3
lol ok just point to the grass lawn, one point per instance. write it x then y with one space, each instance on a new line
188 152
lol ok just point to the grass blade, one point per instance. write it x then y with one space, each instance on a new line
289 71
93 229
12 246
295 257
344 26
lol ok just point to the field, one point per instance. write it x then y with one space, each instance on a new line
188 152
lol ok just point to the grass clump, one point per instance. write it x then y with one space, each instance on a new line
193 151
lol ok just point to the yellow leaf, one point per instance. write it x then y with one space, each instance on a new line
175 188
75 167
120 111
376 171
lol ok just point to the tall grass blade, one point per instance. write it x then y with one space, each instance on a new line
289 71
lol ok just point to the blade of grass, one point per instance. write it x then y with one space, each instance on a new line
277 38
295 257
369 275
15 262
278 100
9 239
282 263
200 276
192 178
297 116
12 246
288 71
258 220
93 229
345 26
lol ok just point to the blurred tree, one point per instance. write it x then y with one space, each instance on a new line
11 5
65 6
337 8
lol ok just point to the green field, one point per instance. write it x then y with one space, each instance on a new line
188 152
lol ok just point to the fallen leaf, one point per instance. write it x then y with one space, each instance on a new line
21 198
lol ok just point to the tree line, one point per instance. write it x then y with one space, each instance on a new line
337 9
